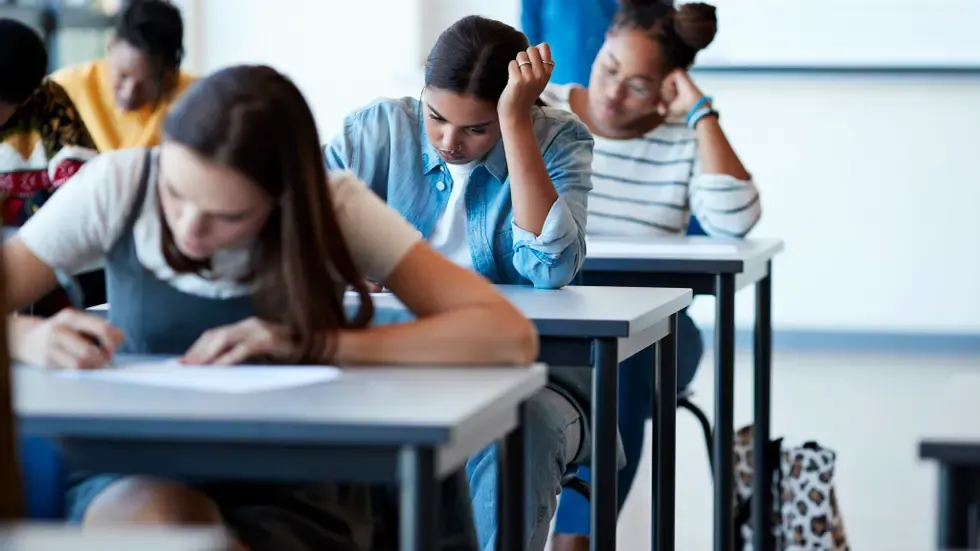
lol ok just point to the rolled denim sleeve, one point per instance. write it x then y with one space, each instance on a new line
552 259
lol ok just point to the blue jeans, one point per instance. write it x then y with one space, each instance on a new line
635 407
553 430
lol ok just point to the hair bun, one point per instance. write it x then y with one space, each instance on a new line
694 23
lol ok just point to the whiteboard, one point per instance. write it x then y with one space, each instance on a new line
845 34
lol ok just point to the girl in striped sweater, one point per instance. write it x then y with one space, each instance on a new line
660 156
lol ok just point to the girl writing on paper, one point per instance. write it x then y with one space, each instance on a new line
228 242
498 185
660 155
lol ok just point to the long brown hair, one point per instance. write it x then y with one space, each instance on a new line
255 121
11 493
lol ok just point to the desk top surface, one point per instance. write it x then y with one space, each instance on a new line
43 537
954 436
584 312
678 254
365 405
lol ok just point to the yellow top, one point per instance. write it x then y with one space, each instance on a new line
90 89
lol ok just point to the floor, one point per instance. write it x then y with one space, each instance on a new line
871 409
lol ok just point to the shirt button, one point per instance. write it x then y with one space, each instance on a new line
441 186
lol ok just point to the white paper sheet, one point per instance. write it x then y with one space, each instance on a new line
228 380
680 249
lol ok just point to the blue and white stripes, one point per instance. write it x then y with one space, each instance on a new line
649 186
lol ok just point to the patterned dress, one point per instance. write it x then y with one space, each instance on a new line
41 147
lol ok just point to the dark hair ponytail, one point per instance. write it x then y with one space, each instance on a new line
682 32
471 57
23 61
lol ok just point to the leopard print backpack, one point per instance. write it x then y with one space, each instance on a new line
805 510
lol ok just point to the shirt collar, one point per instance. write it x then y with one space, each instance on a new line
495 161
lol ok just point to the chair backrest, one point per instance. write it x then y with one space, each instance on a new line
11 494
694 228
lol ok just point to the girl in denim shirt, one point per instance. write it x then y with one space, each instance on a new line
498 184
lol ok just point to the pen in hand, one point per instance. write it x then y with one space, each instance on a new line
77 298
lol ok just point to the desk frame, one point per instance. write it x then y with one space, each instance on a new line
958 516
723 286
604 354
417 468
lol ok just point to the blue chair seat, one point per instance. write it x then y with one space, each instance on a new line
43 477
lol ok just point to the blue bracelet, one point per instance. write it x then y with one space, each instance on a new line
693 121
696 107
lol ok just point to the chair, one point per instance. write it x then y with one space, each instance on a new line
43 478
684 402
571 481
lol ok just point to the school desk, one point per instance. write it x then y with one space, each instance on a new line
409 426
599 327
720 268
953 443
44 537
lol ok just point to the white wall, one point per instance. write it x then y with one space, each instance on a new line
872 181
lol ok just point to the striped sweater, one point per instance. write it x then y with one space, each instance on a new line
649 186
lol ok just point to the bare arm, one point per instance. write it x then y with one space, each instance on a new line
56 342
532 191
462 319
27 277
723 196
716 153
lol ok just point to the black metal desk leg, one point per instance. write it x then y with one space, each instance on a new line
511 487
724 411
762 485
954 507
665 441
419 502
605 424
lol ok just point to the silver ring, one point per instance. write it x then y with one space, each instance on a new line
523 63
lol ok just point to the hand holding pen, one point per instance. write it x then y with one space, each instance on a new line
72 338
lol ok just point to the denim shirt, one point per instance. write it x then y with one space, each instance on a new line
385 145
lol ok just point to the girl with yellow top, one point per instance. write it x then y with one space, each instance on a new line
123 98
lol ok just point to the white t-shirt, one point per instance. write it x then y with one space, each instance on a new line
449 237
82 221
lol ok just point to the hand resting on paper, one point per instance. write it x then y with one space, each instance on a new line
235 344
70 340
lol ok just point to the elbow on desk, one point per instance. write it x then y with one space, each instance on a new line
552 273
515 335
732 225
528 345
